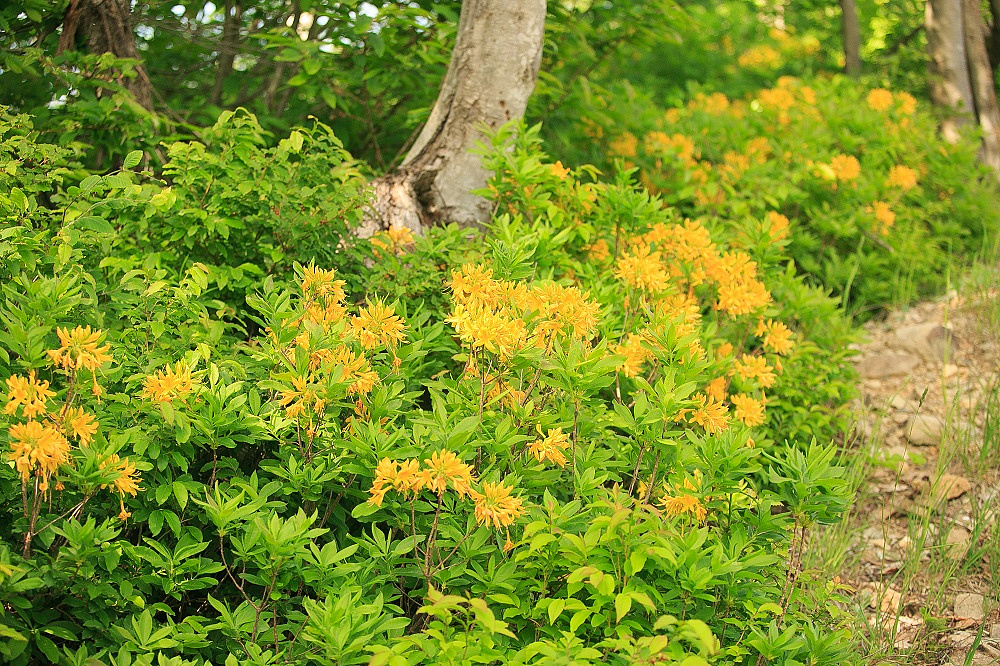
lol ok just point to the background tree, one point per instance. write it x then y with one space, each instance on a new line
961 77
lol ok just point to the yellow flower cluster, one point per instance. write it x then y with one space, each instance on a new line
377 325
902 177
750 367
681 500
660 144
494 506
29 393
79 348
709 413
503 317
760 57
779 225
169 384
747 409
37 449
551 447
126 482
845 168
884 216
624 145
879 99
776 336
394 240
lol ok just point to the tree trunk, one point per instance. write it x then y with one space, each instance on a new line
852 37
228 47
492 73
105 26
951 88
983 86
994 37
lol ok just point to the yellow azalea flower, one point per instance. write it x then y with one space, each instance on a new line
907 103
599 250
496 506
393 240
474 283
902 177
385 473
169 384
29 393
624 145
378 325
357 371
845 167
709 413
716 389
551 447
78 349
747 409
778 225
320 283
37 449
677 503
83 426
879 99
558 170
128 477
777 336
635 355
444 469
301 398
642 269
749 367
884 216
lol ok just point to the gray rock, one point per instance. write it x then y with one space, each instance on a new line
931 341
970 605
887 364
924 430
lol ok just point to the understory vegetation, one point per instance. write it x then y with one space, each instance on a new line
597 431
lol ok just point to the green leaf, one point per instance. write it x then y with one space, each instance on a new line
181 493
623 603
132 159
556 609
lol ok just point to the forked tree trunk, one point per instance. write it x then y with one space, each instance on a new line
951 88
852 37
984 92
492 73
106 27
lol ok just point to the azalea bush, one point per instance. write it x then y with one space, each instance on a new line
578 434
877 208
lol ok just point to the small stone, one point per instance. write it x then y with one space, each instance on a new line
925 430
958 541
952 486
887 365
970 605
932 342
949 370
899 418
995 631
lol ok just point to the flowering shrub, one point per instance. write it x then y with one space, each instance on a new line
872 204
580 434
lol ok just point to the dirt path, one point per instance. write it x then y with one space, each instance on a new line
921 550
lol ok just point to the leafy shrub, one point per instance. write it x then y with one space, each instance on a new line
876 206
537 451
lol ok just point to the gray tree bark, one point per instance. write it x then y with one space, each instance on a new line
493 70
951 87
983 85
851 32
